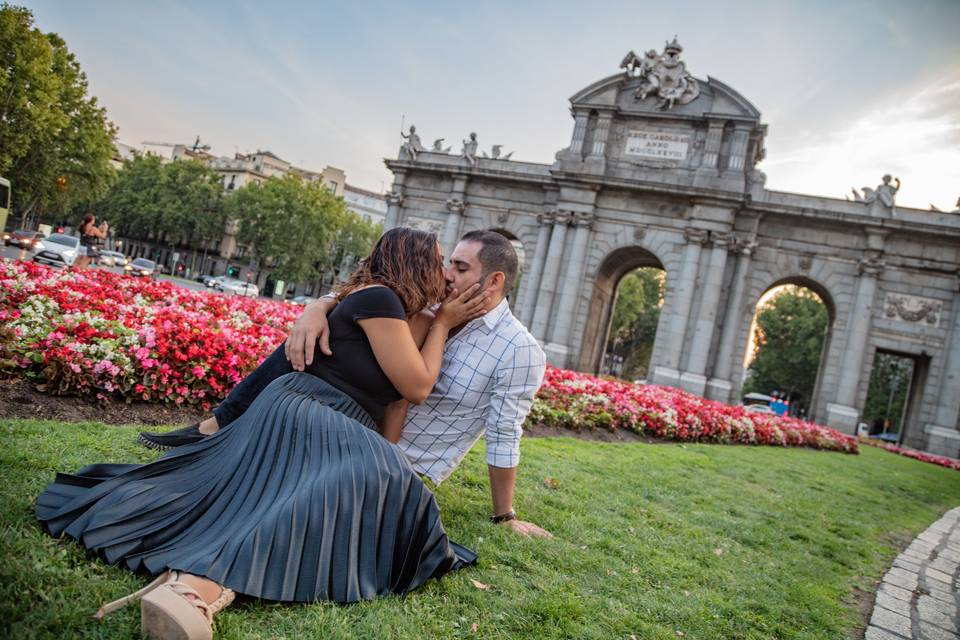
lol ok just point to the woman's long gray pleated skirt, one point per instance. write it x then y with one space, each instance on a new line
298 500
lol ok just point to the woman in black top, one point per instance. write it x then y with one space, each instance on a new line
299 499
90 238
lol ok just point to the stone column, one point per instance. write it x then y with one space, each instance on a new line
720 385
571 284
395 201
943 437
536 269
451 230
841 414
601 134
711 148
579 131
551 273
394 204
693 379
667 372
738 149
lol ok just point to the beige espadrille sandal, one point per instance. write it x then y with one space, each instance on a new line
166 613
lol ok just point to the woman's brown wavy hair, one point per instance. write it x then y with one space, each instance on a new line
406 260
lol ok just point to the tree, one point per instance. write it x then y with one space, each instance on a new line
292 226
355 239
789 340
887 391
179 202
56 141
635 317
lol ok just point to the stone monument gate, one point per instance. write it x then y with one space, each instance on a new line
661 170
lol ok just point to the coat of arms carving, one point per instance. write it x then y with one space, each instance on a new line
662 75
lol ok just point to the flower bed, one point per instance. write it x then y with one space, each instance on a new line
578 401
942 461
96 333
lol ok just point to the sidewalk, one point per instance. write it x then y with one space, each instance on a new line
918 597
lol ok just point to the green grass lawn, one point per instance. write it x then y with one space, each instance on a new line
651 540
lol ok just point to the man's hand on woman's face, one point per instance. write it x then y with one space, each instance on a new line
309 328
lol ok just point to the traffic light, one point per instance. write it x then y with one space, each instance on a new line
232 271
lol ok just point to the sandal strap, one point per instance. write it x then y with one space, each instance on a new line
223 600
185 590
110 607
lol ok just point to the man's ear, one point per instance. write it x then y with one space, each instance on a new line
497 279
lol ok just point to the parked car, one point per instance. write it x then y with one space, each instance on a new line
214 282
112 259
759 408
142 267
239 287
206 280
23 239
301 300
58 249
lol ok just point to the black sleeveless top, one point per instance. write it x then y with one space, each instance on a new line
353 368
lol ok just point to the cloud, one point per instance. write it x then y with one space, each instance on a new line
916 137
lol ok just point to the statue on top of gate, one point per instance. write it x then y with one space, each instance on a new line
885 194
662 75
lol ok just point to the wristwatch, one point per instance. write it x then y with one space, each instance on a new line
509 515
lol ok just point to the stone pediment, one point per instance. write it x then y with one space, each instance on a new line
654 121
618 93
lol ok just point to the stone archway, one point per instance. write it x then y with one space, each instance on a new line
614 267
829 304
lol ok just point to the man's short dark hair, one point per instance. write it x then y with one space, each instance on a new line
496 254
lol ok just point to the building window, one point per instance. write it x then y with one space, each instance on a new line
333 186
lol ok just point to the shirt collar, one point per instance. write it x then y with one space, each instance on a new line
491 318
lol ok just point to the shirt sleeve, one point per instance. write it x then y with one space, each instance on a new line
374 302
517 380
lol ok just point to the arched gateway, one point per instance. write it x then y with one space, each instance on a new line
661 171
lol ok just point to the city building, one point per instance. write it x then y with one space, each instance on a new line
369 205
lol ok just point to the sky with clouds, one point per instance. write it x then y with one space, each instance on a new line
850 90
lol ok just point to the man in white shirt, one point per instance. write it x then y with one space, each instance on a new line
491 370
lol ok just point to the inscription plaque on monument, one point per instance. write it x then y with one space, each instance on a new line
660 145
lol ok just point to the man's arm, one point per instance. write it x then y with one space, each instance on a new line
517 381
310 327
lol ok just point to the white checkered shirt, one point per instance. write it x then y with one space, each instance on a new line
491 370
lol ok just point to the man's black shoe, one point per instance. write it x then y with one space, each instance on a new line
171 439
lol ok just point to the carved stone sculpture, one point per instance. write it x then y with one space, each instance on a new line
664 76
470 149
438 146
411 145
885 193
907 308
495 153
